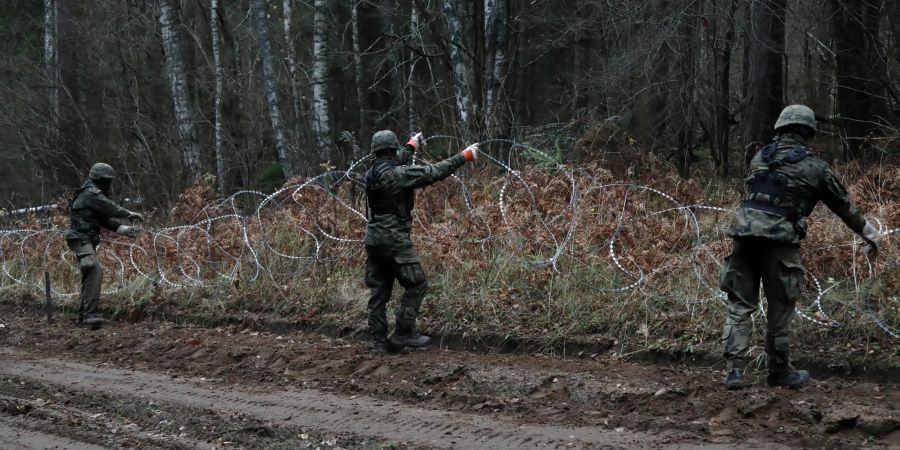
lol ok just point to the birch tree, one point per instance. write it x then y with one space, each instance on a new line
461 77
495 40
285 151
321 123
185 116
219 73
51 67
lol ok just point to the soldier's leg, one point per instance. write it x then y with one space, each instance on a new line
739 279
380 280
782 281
91 276
412 277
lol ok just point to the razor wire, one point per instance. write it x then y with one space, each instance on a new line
286 233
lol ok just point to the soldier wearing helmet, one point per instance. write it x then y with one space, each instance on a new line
390 193
786 182
90 210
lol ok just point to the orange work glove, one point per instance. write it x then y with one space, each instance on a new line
470 153
413 142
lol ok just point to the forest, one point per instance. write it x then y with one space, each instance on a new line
251 93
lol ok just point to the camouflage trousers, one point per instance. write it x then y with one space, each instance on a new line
91 275
778 266
382 268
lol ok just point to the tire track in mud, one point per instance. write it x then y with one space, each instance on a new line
21 434
312 409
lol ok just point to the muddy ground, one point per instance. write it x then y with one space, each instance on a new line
156 384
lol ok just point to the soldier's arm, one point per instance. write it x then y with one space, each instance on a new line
837 199
421 176
105 207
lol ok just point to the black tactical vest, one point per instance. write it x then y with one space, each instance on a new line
768 189
81 219
383 202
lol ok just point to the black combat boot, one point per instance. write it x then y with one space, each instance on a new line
413 340
383 346
734 379
791 379
92 320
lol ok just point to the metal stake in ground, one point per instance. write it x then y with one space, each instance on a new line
48 305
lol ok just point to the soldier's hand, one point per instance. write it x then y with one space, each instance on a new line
414 142
873 240
470 153
135 216
129 231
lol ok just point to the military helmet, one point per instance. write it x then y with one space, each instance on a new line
102 171
796 115
384 139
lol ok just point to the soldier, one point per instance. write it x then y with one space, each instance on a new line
91 209
786 182
390 186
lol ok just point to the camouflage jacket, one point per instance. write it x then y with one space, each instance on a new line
390 196
91 209
808 181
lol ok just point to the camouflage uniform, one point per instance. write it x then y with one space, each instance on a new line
766 234
390 194
90 210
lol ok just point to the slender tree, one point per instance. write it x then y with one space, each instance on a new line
286 152
496 16
462 85
185 115
321 120
219 74
357 65
287 22
51 74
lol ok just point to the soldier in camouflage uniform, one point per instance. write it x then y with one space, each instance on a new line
390 186
786 182
91 209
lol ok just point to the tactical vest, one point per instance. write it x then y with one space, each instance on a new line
768 188
382 202
77 218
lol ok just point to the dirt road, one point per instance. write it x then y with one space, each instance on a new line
161 385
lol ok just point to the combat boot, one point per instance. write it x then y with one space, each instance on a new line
413 340
734 379
92 321
791 379
383 346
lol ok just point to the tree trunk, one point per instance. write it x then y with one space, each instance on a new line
765 89
410 82
185 116
321 121
461 77
496 32
284 149
51 75
861 72
723 107
357 67
219 74
299 114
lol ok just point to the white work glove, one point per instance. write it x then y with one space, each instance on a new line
129 231
470 153
870 235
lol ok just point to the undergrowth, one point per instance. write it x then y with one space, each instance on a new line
540 267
